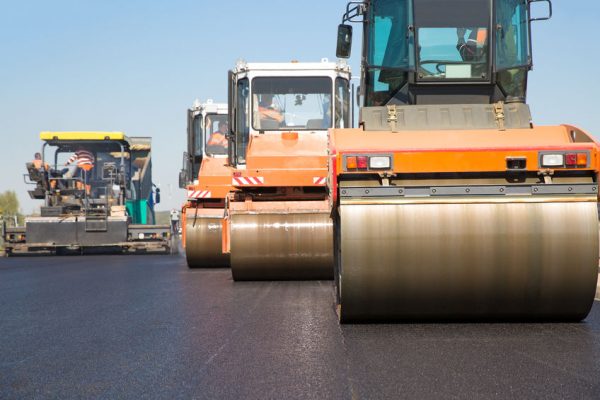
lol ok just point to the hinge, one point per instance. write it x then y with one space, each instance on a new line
500 117
392 117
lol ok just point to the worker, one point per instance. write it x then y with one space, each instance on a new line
175 221
267 110
38 163
83 159
219 137
473 49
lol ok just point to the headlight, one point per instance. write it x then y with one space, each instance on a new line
378 162
553 160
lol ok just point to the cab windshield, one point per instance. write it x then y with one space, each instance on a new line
453 39
444 41
215 132
298 103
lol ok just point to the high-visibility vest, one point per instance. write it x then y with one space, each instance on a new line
478 37
217 139
270 113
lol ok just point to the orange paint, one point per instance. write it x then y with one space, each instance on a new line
460 151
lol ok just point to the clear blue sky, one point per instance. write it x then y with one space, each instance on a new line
137 65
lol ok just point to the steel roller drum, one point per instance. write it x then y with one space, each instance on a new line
444 261
281 246
204 242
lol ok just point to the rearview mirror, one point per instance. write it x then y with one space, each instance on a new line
183 179
344 41
538 10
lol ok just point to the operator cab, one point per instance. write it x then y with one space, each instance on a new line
303 98
207 137
442 51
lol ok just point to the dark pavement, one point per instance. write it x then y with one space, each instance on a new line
147 327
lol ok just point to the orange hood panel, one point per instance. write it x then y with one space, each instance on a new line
276 152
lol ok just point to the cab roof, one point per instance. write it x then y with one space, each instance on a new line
84 136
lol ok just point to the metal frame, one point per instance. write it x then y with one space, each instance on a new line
549 9
354 9
469 191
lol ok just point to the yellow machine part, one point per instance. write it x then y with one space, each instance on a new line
203 240
71 136
449 259
281 246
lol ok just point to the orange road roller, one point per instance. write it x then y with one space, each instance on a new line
448 202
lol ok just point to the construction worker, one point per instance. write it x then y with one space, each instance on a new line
219 137
268 111
38 163
83 159
472 49
174 221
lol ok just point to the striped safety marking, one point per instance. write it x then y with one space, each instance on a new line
248 180
199 194
319 180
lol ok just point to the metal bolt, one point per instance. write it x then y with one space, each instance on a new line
433 191
570 189
535 189
501 190
400 191
468 190
344 191
367 192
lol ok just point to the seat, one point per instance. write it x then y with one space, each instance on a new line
34 174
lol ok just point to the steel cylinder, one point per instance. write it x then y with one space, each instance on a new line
294 246
452 260
204 242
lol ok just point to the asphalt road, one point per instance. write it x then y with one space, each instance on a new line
147 327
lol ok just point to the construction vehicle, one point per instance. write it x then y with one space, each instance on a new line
449 203
207 178
277 224
98 197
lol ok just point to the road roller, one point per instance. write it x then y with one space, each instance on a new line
206 177
448 202
277 224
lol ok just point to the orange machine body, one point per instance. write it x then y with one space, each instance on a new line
277 224
206 196
469 151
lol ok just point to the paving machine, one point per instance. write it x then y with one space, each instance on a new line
206 176
98 196
449 203
278 223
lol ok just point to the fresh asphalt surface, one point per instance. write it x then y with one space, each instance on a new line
147 327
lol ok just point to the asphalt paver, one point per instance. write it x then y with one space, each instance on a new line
148 327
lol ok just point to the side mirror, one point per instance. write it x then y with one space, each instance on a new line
183 179
344 41
157 197
548 10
